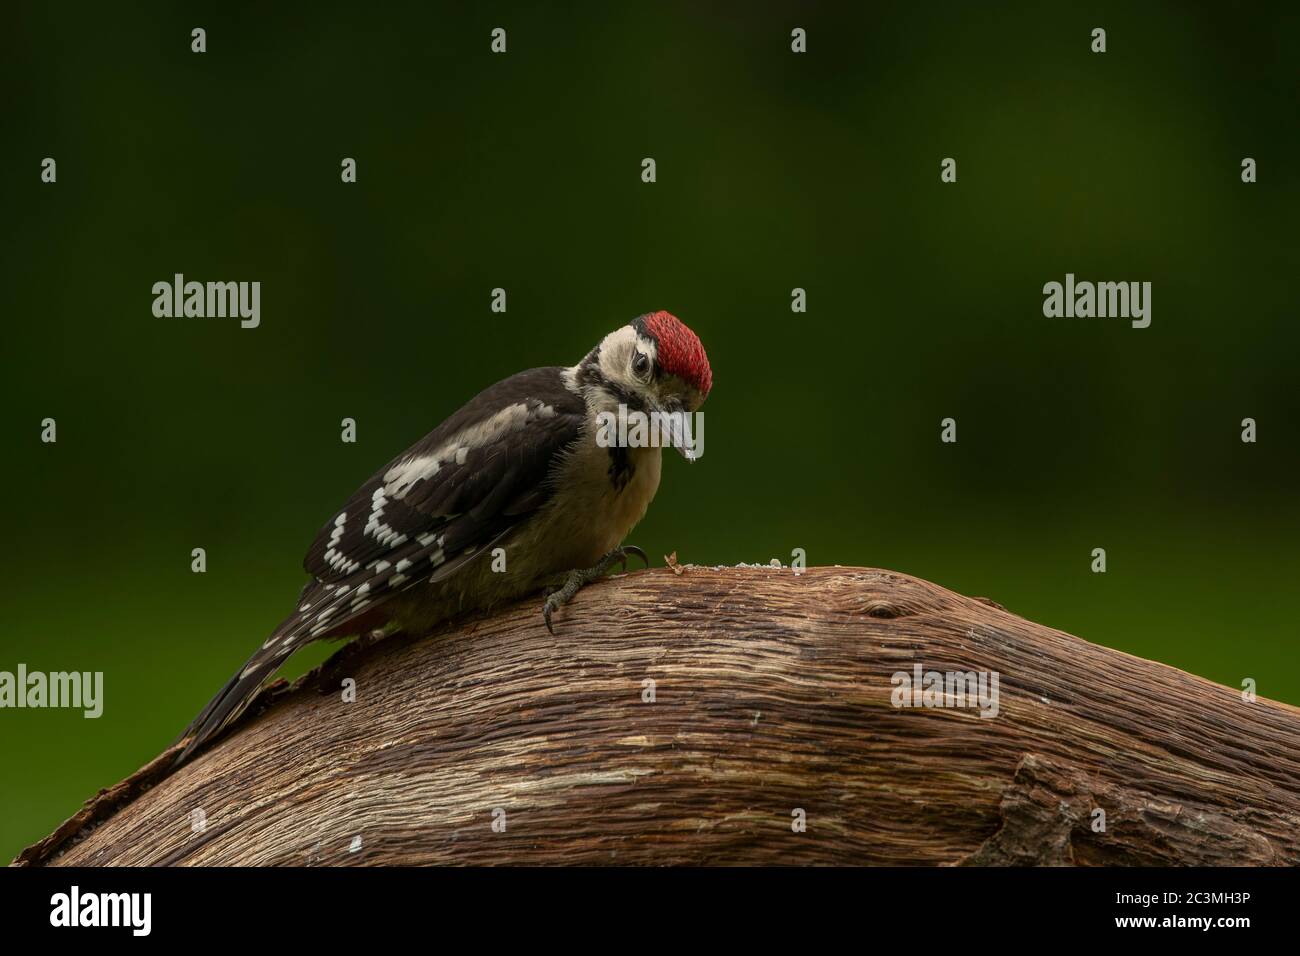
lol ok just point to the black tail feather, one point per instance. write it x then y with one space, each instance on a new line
229 702
321 600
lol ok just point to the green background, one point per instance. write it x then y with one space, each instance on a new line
523 171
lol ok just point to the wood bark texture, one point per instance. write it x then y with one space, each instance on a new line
697 718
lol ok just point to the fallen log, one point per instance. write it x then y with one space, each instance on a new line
722 716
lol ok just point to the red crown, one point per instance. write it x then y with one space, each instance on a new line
679 349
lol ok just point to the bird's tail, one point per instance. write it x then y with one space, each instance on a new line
231 701
317 603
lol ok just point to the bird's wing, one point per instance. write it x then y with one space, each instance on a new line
445 500
420 518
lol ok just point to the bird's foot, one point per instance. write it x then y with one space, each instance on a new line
575 580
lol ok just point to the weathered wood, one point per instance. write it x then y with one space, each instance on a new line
772 693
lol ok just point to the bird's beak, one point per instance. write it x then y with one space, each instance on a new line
679 427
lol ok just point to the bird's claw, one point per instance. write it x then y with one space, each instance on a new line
633 549
557 597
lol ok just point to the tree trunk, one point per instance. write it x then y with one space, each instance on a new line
732 715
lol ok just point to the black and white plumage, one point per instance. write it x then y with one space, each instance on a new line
517 468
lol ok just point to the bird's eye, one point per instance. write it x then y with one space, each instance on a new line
641 364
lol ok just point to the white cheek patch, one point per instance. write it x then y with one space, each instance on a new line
616 350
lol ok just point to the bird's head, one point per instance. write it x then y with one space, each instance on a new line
652 364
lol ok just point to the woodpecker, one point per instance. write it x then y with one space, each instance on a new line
521 467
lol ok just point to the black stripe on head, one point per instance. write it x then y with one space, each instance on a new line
590 376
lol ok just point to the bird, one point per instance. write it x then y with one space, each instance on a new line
519 489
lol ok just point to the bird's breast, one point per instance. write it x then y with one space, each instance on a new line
604 493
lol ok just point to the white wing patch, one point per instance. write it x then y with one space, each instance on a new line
333 557
376 528
399 479
403 476
400 545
